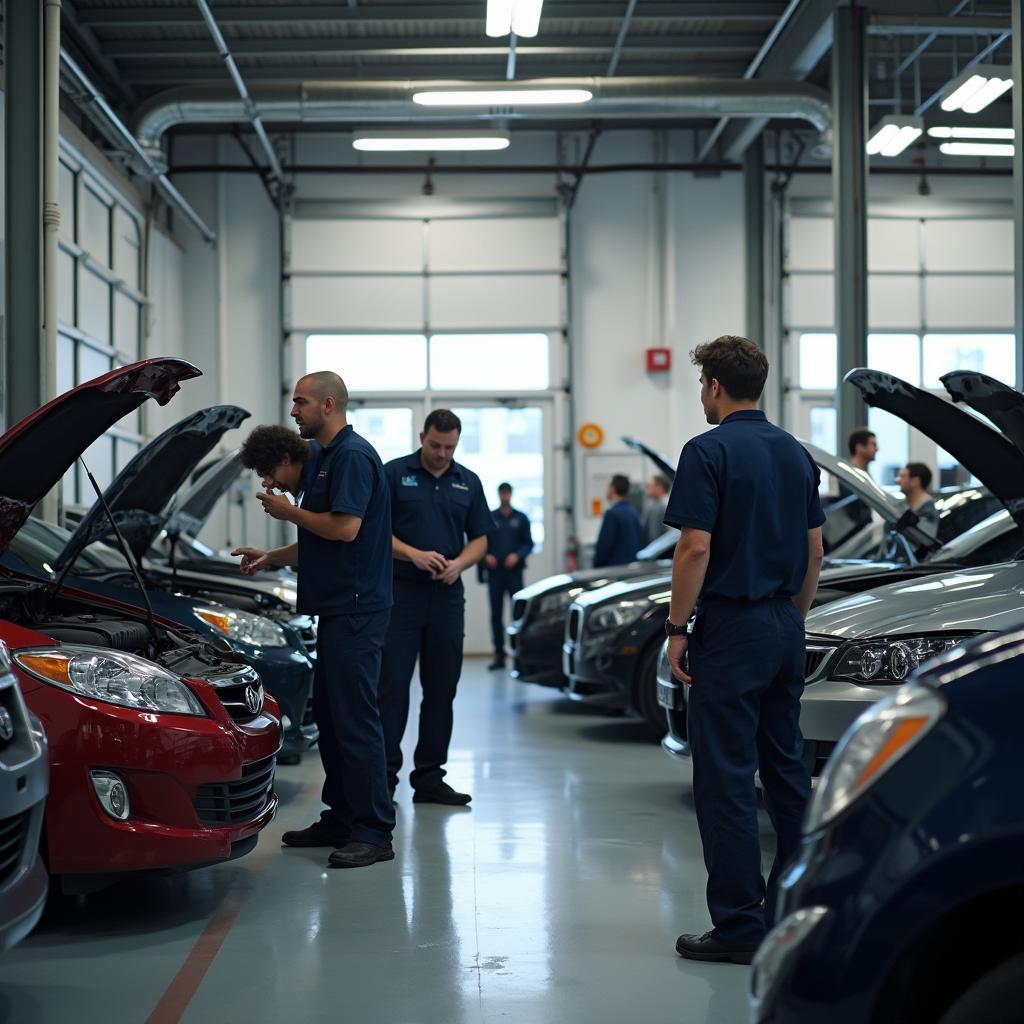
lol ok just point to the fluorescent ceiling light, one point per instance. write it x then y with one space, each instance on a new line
509 97
519 16
425 142
893 134
977 148
989 134
975 88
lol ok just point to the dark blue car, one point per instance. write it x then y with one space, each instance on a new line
905 904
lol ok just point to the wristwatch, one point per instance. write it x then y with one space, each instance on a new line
671 629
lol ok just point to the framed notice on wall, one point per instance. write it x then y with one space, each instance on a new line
599 468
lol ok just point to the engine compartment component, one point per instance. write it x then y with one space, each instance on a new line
97 631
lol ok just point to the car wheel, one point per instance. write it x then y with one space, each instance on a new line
995 998
645 693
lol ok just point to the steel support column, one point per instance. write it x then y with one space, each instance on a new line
849 199
1017 48
753 201
24 351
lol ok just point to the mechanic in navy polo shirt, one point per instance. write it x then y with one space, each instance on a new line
508 546
746 500
343 555
621 535
440 522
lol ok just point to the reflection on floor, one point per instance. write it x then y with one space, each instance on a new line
556 898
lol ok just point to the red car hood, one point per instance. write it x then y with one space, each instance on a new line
38 450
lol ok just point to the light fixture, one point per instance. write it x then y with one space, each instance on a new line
893 134
451 141
975 88
983 134
509 97
977 148
519 16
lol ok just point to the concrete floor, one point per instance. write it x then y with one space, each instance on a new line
556 898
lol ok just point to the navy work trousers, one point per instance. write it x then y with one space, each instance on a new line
428 623
348 656
501 582
743 716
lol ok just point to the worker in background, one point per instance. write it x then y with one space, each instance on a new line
747 560
343 555
440 522
621 535
508 545
914 479
656 502
862 445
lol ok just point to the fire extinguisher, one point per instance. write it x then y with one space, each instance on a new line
572 555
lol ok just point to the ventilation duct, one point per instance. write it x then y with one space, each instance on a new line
363 103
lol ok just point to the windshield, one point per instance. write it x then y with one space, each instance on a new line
996 539
39 545
187 549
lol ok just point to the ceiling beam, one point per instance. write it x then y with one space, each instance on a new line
915 25
402 47
649 10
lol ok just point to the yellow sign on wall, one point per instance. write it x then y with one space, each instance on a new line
590 435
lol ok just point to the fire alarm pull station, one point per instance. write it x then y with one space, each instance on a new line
659 360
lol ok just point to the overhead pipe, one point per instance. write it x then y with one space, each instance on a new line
362 102
100 112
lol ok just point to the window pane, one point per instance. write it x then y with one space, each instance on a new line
817 362
91 364
986 353
390 431
65 364
489 362
124 452
94 305
95 227
893 445
66 289
823 427
371 362
126 325
100 459
507 445
66 198
126 247
898 354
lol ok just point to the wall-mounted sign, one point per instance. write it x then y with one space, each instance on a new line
590 435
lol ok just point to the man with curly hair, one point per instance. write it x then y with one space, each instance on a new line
343 555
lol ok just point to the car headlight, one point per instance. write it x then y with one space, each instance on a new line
289 595
875 742
244 627
890 660
615 616
558 602
116 677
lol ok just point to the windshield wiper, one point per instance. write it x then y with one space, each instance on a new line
125 550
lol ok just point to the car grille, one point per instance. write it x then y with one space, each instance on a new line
814 658
13 833
241 693
572 628
229 803
305 626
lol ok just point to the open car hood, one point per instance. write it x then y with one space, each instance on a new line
194 506
996 401
140 496
38 450
985 453
656 457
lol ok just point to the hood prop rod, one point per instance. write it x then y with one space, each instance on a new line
126 551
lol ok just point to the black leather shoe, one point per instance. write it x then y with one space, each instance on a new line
496 665
707 948
359 855
444 794
325 832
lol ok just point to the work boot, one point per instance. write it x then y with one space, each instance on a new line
325 832
497 664
709 949
443 794
360 855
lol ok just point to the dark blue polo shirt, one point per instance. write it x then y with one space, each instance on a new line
621 536
510 535
434 513
346 577
754 488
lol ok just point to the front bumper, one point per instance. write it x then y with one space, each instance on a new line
829 707
596 673
537 652
170 765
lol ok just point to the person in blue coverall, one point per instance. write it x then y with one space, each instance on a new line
508 546
622 533
343 553
746 500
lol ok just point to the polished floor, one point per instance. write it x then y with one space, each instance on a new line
556 898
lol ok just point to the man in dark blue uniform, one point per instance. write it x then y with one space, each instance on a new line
440 522
746 501
344 561
622 533
508 545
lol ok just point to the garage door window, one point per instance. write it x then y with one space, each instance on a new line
371 362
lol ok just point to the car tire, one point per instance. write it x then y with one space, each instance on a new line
645 693
994 998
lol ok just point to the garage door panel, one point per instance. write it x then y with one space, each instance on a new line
810 243
894 244
481 303
357 303
357 245
975 302
494 244
811 300
969 245
894 301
